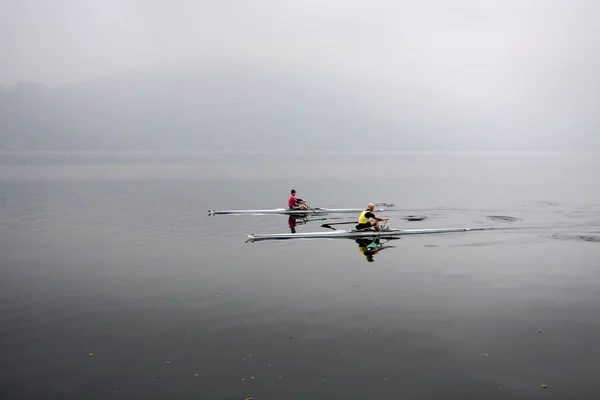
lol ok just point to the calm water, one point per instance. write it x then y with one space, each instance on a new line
115 284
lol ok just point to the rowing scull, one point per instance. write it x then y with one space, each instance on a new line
342 233
287 211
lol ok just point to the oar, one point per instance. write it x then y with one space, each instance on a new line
407 218
316 219
307 220
373 243
340 223
310 208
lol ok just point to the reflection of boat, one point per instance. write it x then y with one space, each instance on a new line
353 233
287 211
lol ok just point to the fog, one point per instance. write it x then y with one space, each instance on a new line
280 75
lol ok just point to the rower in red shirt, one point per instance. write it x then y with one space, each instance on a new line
295 203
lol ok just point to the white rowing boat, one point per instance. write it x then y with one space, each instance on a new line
287 211
340 233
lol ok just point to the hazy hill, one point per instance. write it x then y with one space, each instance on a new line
205 110
235 108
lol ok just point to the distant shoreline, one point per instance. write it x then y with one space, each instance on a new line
250 152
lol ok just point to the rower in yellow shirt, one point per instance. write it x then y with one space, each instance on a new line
368 219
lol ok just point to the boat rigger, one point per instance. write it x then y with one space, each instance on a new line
340 233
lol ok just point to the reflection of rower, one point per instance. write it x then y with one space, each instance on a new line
295 220
369 247
368 252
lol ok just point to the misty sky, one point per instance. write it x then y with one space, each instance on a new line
531 61
458 44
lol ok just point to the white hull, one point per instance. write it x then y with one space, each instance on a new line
354 234
287 211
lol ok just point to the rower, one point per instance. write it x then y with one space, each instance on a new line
368 219
295 203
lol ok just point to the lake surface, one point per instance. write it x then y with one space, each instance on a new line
116 284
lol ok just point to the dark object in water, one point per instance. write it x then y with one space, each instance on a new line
580 238
414 217
504 218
